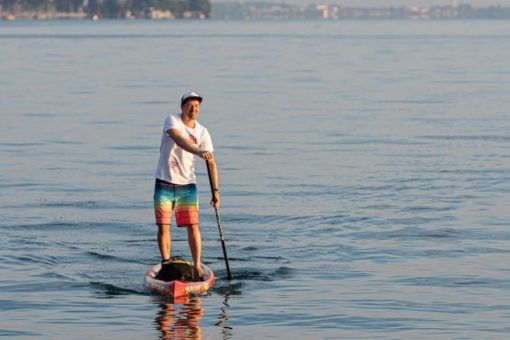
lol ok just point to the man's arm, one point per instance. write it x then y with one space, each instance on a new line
185 144
215 199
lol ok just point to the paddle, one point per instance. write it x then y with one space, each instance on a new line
229 276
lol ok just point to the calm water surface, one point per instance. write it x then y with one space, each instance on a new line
365 175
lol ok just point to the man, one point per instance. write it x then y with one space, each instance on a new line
175 189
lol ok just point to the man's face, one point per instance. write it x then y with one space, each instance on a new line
191 108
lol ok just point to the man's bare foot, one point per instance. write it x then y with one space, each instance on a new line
200 272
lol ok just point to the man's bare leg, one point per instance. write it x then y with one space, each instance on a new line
195 245
164 241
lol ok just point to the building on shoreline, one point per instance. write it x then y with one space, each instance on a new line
320 11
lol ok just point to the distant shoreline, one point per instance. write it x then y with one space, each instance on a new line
282 11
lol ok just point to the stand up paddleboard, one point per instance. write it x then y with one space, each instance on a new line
178 288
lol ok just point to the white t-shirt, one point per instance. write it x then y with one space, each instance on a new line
175 164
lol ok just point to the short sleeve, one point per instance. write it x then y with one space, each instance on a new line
171 122
206 142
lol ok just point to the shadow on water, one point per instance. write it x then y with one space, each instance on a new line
263 274
108 290
242 278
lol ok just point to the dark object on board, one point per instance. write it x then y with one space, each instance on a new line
177 269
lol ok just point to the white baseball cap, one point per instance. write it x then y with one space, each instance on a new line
190 95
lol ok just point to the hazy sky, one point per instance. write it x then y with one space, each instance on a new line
383 3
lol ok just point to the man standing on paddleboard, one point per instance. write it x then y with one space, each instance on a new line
175 189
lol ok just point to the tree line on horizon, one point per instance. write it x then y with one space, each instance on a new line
109 8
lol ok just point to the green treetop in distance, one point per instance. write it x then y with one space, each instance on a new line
111 8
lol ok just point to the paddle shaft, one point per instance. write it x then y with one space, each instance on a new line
218 221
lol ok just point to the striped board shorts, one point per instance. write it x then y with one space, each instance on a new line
181 198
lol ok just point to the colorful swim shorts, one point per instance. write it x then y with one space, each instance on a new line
181 198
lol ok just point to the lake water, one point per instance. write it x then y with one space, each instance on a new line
364 168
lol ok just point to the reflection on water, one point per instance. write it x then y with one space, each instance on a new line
222 317
180 318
